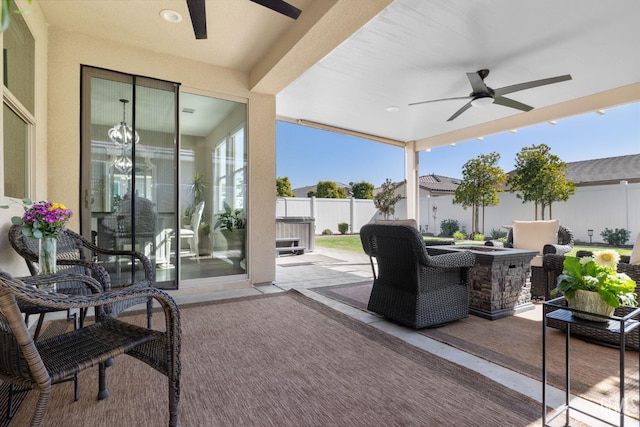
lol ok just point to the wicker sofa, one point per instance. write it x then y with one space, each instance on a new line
563 245
553 266
411 287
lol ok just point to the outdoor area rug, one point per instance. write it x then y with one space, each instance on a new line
515 342
286 360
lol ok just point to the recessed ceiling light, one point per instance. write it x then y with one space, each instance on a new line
601 112
171 16
553 122
392 109
514 131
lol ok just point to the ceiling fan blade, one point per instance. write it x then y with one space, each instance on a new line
438 100
477 81
508 102
460 111
198 18
528 85
280 6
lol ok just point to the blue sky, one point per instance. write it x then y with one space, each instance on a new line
308 155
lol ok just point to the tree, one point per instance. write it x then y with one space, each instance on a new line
330 190
386 199
540 177
481 179
362 190
283 187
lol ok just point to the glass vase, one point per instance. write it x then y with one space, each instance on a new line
48 248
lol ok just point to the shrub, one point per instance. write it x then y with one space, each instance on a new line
449 226
459 235
478 237
498 234
343 227
617 237
327 232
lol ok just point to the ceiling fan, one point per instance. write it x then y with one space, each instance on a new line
199 16
484 95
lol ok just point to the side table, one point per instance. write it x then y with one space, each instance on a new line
614 324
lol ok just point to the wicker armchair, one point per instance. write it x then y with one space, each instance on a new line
553 266
564 245
38 365
411 287
72 258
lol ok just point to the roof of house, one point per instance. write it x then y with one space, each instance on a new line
605 171
438 183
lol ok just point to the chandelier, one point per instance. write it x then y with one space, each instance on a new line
123 136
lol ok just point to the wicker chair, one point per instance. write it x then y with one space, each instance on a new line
72 258
38 365
553 266
539 288
411 287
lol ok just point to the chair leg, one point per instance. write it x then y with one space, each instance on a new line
149 313
103 392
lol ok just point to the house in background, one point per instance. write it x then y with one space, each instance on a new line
606 171
430 186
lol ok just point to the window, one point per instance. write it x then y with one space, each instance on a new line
18 52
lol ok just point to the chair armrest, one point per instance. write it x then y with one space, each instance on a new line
94 285
31 295
452 260
149 271
556 249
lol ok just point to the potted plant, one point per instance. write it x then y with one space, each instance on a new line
593 284
232 223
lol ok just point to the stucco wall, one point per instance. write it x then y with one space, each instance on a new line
58 139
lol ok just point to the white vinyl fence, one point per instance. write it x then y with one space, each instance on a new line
591 208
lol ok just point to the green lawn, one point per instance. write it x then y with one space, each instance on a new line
351 242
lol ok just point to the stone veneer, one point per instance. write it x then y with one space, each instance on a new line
500 280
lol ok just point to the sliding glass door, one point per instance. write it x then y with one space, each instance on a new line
163 173
129 146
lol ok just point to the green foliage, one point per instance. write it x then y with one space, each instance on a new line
362 190
231 219
311 193
481 181
540 177
590 274
459 235
617 237
330 190
498 234
6 13
283 187
327 232
343 227
478 237
386 199
449 226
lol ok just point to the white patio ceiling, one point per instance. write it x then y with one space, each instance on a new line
343 62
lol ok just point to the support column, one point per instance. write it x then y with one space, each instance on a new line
411 171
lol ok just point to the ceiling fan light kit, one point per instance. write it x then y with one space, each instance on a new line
482 95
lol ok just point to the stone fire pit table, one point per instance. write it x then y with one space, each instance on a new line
500 279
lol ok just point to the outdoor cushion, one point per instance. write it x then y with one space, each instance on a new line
635 253
533 235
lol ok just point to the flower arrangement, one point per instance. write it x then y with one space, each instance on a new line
42 219
597 273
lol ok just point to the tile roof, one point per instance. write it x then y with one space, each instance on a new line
438 183
608 170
